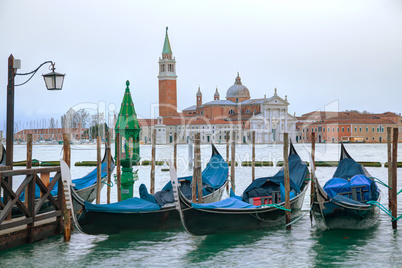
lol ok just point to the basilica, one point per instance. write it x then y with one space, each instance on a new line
238 114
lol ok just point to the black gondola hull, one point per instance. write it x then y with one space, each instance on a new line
337 216
330 214
205 221
111 223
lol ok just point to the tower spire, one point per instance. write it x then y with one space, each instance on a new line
166 46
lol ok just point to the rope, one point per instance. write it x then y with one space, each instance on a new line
380 182
399 192
297 219
383 209
276 206
308 179
108 183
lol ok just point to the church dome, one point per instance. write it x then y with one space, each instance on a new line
238 90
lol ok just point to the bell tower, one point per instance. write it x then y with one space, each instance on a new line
167 81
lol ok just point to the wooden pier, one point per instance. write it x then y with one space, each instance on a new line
29 220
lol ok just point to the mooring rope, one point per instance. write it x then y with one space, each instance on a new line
380 182
384 209
108 183
276 206
297 219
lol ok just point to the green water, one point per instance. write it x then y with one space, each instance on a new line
302 246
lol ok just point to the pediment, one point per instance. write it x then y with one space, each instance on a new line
275 100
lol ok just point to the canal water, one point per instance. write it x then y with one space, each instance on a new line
302 246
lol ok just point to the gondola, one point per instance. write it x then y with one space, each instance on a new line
150 212
261 205
3 156
343 203
85 187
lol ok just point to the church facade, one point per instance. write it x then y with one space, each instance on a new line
238 114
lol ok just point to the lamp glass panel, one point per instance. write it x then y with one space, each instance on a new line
59 81
49 81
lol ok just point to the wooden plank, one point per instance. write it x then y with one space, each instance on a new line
18 237
32 171
287 179
15 223
46 195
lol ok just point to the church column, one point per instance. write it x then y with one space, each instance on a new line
270 126
286 119
279 134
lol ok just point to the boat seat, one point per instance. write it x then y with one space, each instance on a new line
264 200
356 193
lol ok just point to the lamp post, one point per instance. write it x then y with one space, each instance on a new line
129 129
53 81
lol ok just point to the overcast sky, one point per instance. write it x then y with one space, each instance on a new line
315 52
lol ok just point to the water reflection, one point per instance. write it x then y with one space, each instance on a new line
337 247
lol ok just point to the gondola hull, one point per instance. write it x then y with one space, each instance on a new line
338 216
206 221
331 213
110 223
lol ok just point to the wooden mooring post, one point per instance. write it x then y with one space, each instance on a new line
389 153
233 164
394 177
312 189
109 165
29 163
197 166
286 179
66 212
153 155
118 168
99 171
253 157
227 154
194 182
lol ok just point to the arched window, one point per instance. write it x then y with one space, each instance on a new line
248 111
231 112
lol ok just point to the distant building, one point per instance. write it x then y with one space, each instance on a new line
337 126
269 117
47 134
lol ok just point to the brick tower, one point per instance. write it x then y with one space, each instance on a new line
167 81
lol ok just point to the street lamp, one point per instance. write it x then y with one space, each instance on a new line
53 80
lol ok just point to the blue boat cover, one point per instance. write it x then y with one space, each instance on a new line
264 186
134 204
230 203
339 188
347 168
81 183
213 177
